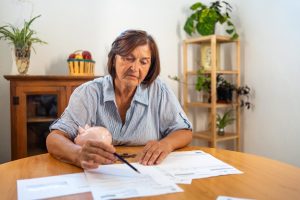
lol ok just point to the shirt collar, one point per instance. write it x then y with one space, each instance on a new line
108 89
141 93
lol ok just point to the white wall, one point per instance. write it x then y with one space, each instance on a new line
70 25
269 31
271 62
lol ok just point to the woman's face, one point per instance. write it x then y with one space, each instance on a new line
132 69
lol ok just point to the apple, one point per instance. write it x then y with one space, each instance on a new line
72 56
87 55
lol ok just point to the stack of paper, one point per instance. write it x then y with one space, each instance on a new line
118 181
184 166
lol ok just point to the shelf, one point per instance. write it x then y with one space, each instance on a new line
40 119
194 72
208 105
207 39
207 136
210 49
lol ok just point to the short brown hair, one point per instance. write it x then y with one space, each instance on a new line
125 43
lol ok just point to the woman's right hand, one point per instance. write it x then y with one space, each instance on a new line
94 153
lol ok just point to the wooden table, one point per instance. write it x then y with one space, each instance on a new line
262 179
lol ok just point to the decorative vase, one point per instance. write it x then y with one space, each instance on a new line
22 56
221 132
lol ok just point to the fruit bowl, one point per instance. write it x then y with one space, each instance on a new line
81 64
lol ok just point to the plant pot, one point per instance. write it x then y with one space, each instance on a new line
224 94
22 56
206 97
221 132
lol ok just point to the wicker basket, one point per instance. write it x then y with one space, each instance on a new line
81 67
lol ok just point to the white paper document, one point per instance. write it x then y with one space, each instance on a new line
52 186
184 166
118 181
230 198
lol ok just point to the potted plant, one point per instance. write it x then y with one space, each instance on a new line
22 39
203 81
224 90
223 121
204 19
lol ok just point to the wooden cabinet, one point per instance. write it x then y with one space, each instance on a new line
35 102
213 107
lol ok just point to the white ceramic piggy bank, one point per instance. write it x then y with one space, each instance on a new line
93 133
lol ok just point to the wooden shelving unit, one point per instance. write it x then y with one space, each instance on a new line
31 101
211 134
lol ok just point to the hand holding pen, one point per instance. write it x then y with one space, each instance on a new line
126 162
94 153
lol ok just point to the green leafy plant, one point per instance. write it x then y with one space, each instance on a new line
225 89
21 38
203 81
224 120
204 19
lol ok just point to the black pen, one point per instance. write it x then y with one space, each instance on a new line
126 162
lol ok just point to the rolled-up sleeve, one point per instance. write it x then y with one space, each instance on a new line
81 110
172 117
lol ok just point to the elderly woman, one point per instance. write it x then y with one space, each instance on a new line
131 102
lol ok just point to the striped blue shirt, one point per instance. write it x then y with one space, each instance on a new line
154 112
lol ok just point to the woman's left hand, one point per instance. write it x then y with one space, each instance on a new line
155 152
